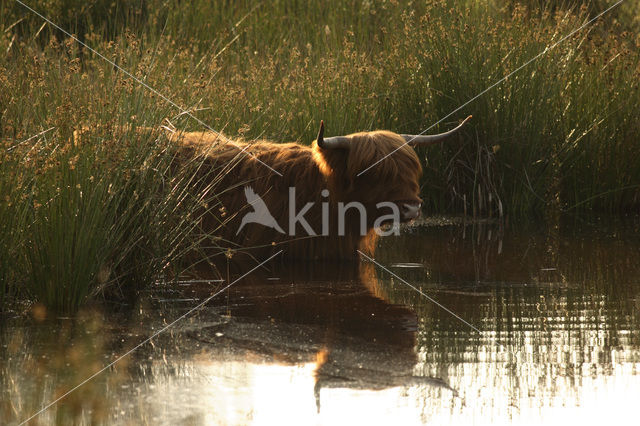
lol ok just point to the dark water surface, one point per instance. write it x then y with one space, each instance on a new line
558 310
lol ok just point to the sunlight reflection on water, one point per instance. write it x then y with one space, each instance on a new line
560 342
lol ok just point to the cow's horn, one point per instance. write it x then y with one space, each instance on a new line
333 142
423 140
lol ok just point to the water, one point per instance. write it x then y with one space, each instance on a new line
558 311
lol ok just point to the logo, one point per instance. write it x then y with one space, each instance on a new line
261 215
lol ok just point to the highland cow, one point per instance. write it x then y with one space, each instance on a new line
319 204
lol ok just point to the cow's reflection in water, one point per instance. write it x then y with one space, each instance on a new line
336 316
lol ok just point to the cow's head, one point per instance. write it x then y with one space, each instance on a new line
376 167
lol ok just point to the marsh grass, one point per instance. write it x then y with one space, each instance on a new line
92 209
12 220
86 201
98 225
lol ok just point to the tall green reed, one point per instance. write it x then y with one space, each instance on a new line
105 208
559 134
12 221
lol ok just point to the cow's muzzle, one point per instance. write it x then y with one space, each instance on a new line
409 210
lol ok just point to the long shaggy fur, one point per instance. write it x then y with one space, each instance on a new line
310 170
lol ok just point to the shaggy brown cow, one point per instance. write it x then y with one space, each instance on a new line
322 206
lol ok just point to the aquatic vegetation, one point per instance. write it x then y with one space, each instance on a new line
94 225
12 221
92 207
82 201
